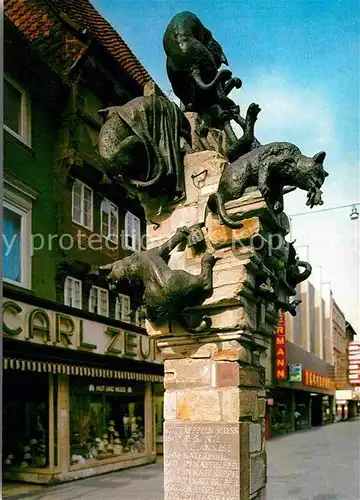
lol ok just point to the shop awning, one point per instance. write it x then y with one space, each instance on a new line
78 370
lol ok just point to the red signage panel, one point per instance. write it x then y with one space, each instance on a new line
280 350
314 379
354 362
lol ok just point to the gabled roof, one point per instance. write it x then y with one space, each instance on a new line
85 14
58 29
37 20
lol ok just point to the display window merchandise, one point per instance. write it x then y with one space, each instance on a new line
281 414
25 421
106 421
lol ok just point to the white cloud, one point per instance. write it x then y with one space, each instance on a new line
290 113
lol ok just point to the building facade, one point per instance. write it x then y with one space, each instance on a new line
82 382
308 377
300 377
343 335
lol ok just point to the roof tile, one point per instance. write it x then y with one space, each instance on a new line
40 23
85 14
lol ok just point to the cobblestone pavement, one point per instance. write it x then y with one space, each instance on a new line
320 464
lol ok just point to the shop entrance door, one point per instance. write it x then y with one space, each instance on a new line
316 410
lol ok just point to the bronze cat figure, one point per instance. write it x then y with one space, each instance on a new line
270 168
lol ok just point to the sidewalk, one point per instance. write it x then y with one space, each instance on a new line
317 464
11 490
139 483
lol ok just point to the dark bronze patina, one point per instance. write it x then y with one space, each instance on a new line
293 274
193 64
166 293
140 143
274 169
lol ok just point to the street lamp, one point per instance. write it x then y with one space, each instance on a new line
354 213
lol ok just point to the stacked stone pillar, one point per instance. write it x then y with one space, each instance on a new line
214 442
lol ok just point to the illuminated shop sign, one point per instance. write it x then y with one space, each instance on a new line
280 350
354 362
314 379
42 326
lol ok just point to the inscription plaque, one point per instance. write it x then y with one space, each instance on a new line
201 461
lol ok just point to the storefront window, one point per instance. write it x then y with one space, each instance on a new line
106 421
25 420
302 414
327 410
280 414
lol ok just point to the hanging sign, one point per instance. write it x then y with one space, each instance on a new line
280 350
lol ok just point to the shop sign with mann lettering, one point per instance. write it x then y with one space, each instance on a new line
280 350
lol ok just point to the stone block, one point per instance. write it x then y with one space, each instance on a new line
204 351
170 405
198 405
255 438
153 232
187 373
226 374
232 351
261 407
248 403
230 318
202 461
202 172
221 235
230 404
249 376
183 216
257 472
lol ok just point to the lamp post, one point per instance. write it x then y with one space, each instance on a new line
354 214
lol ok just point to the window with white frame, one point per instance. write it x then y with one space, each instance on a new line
82 204
122 308
99 301
109 215
16 231
73 292
132 232
17 110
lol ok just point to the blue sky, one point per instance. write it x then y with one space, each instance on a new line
299 60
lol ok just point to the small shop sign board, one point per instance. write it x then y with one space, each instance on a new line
295 373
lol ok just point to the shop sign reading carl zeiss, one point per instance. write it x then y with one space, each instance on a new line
39 326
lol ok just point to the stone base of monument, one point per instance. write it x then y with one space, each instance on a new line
214 418
214 444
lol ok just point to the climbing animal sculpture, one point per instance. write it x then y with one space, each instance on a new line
166 293
193 64
274 169
141 144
